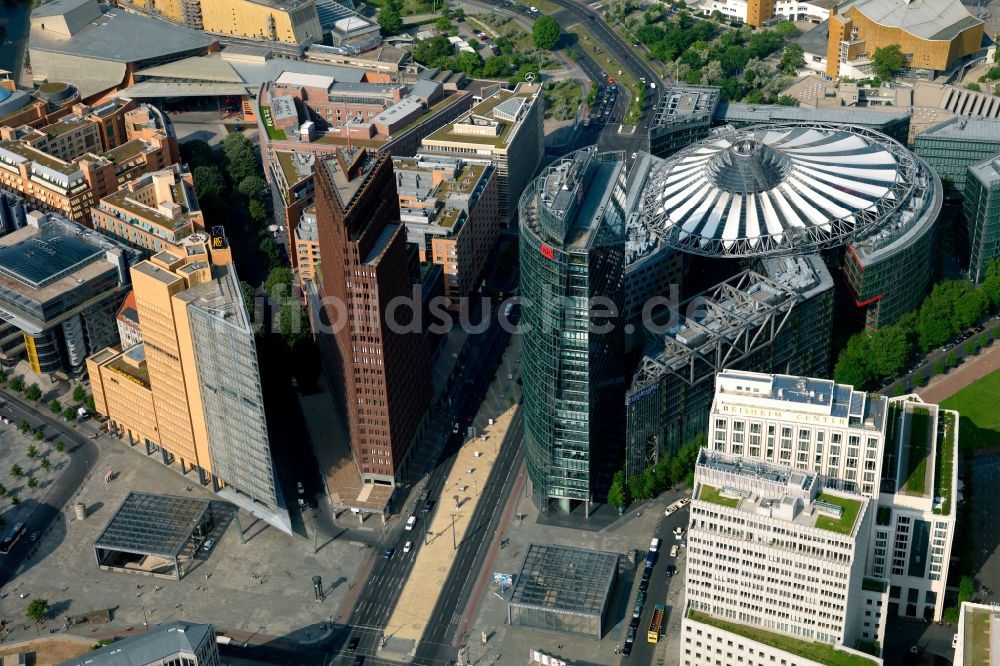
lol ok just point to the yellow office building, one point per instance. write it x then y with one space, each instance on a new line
190 392
935 35
291 21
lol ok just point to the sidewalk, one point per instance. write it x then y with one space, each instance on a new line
459 499
973 368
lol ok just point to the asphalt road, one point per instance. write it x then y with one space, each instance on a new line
436 644
384 584
83 455
659 585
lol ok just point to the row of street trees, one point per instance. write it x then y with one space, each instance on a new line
952 306
668 472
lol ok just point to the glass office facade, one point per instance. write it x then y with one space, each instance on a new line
572 281
981 211
226 358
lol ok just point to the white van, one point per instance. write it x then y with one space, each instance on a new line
654 545
411 523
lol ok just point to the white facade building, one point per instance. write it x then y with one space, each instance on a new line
900 452
812 424
978 635
815 11
773 557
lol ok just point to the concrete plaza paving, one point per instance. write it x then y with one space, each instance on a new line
629 536
458 502
262 588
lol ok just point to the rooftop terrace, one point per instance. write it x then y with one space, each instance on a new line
485 108
783 493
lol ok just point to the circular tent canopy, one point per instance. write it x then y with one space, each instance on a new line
778 189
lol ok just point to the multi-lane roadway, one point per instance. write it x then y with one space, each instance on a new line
384 584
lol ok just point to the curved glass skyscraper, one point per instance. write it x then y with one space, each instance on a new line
572 284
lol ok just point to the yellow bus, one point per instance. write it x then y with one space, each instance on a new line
653 635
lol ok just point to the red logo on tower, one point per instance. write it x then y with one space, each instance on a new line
548 252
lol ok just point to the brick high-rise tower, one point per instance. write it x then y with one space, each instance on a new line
380 371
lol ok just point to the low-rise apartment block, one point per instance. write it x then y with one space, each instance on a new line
152 213
504 129
66 168
451 211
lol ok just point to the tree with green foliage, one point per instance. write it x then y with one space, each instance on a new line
443 24
970 347
32 482
208 181
974 87
793 58
390 21
79 393
32 452
196 153
38 433
16 471
14 499
293 323
55 407
616 493
966 588
249 300
240 157
887 61
270 253
24 427
38 610
786 30
70 414
278 283
17 385
60 446
45 463
898 389
91 406
983 340
3 490
545 33
786 100
253 187
33 392
919 379
950 360
258 212
938 367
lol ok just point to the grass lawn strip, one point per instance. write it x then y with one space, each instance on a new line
818 652
845 523
980 418
711 494
916 458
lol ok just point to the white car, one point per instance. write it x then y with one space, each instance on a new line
654 545
674 550
954 641
678 532
207 546
411 522
408 546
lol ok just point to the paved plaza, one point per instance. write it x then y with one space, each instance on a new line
30 456
262 588
629 536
